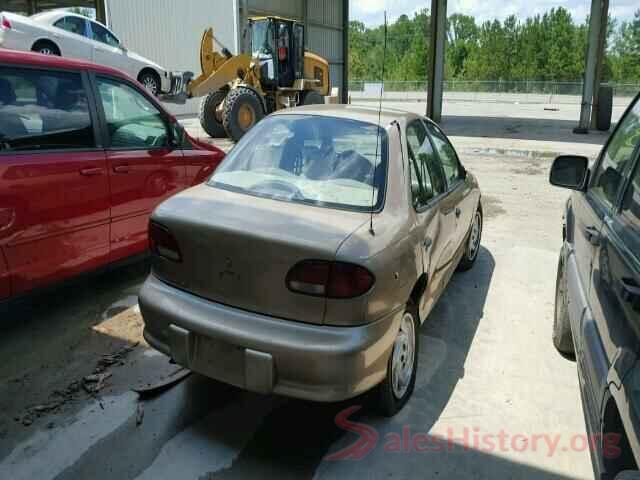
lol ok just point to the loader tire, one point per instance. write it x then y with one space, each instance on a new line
312 98
242 110
208 119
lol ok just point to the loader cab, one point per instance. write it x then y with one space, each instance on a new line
278 45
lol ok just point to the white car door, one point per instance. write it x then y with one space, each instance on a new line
71 35
107 50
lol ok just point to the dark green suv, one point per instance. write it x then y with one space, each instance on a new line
597 319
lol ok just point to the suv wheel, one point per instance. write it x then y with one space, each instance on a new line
562 337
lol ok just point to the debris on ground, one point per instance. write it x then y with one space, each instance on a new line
111 359
93 383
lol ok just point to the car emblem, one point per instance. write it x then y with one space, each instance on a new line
228 269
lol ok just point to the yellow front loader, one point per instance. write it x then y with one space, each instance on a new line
239 90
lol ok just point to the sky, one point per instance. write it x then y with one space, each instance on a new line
371 11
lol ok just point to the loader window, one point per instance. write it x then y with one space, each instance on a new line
263 48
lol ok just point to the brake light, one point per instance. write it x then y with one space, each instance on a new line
321 278
163 243
6 24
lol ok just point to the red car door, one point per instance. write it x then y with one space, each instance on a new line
54 197
145 164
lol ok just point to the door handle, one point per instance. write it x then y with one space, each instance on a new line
593 235
122 169
630 292
458 212
427 242
90 172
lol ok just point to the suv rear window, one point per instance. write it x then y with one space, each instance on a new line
323 161
42 110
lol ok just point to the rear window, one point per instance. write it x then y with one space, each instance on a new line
42 110
323 161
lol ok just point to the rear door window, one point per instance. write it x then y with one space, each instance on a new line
447 154
630 214
75 25
41 110
427 181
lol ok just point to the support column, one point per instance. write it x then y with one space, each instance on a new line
345 51
243 18
589 87
101 11
602 44
436 59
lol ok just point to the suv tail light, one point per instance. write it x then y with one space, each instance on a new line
321 278
5 23
163 243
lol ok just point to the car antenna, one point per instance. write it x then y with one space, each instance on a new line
375 159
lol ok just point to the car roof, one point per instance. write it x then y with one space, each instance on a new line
353 112
15 57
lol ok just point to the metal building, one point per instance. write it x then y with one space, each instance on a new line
169 31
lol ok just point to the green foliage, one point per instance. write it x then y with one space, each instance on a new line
548 47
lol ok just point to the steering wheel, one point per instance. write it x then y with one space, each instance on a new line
279 185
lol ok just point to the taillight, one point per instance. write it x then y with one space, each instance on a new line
321 278
163 243
6 24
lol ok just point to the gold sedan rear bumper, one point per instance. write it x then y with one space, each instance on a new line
266 354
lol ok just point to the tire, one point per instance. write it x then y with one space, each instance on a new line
242 110
151 81
605 108
390 400
472 244
46 48
208 119
312 98
562 337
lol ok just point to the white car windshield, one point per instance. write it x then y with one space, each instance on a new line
323 161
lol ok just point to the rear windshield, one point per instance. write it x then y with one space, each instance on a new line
324 161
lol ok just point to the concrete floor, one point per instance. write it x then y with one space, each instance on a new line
487 370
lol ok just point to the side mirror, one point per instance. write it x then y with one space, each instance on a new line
123 48
570 171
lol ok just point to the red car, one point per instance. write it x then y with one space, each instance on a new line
85 156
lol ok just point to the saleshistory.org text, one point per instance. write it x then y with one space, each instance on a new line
407 440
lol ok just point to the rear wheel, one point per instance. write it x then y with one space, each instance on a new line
211 116
312 98
397 387
150 81
242 110
562 337
46 48
472 246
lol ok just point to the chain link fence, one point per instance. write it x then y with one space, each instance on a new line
488 91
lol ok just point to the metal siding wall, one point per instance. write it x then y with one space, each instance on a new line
325 35
169 32
282 8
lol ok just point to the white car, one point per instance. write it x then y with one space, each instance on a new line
60 32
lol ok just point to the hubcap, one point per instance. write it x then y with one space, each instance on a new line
403 356
150 84
246 117
474 237
46 51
